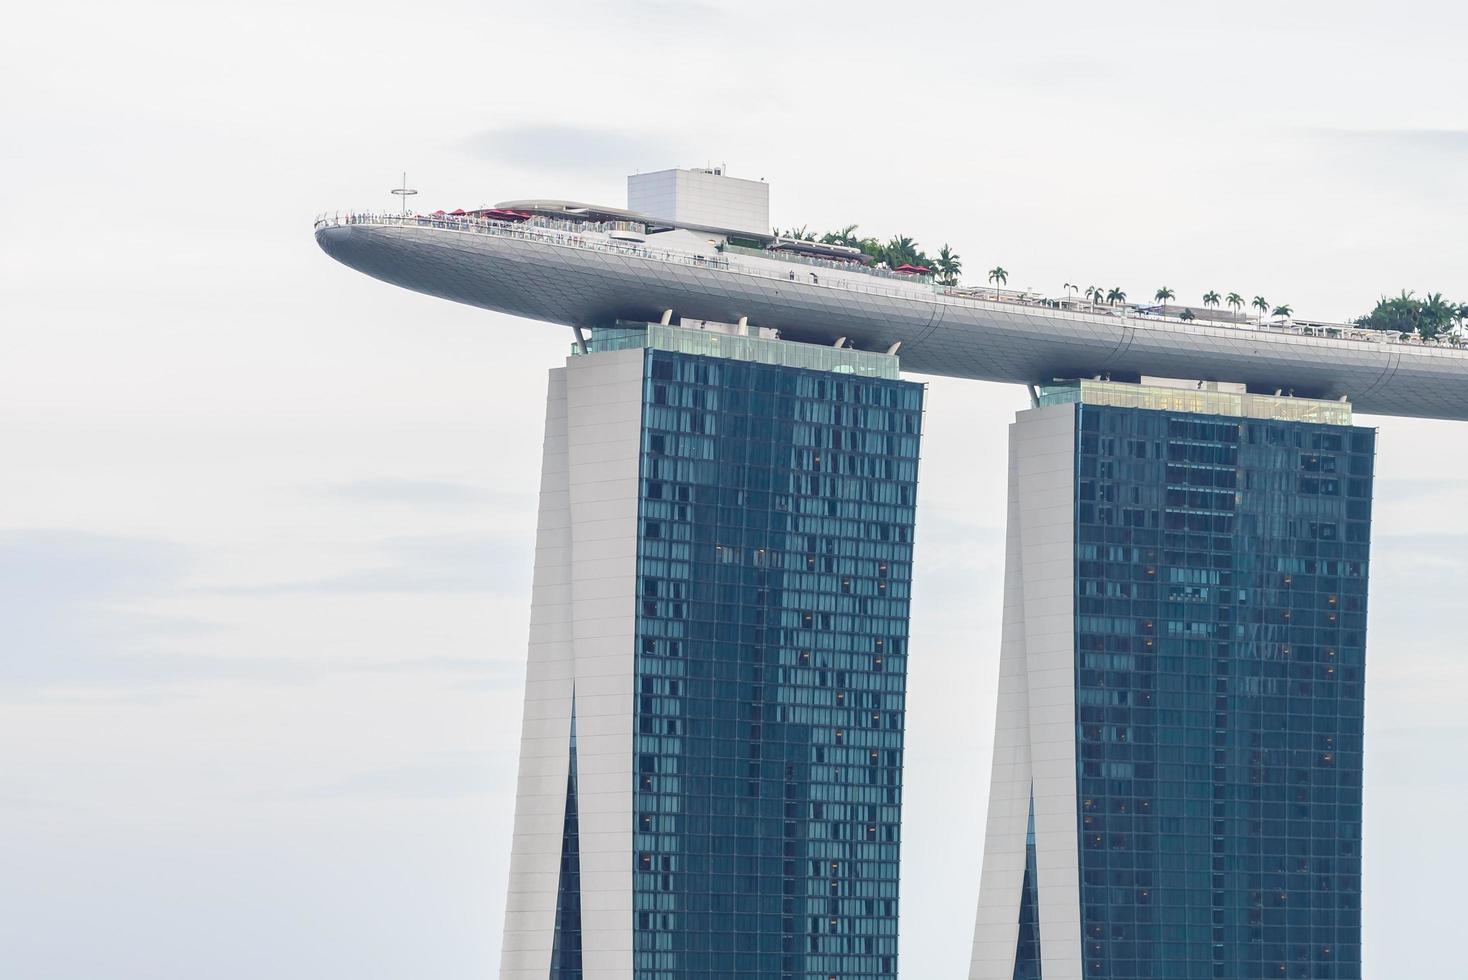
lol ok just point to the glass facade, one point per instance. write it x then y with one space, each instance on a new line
1220 574
1027 956
759 350
566 945
774 567
1202 400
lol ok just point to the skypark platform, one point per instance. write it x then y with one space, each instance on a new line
582 274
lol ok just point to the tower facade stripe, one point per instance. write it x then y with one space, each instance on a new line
1190 614
1034 751
581 648
540 796
720 625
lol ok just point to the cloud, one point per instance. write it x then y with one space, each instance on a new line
1445 141
46 566
63 597
73 611
450 564
448 775
473 673
396 490
1420 165
1399 490
689 11
572 149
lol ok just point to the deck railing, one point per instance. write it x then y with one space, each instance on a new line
1233 403
566 235
524 231
832 264
759 350
530 232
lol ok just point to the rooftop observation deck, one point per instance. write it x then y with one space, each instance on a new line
587 275
856 277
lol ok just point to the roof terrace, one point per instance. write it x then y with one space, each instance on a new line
595 235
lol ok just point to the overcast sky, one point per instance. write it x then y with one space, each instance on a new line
266 524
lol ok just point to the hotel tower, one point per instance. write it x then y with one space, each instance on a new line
1176 785
710 779
711 766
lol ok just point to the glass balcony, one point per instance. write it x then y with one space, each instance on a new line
759 350
1121 394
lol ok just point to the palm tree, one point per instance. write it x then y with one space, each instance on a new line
1437 316
901 250
998 276
801 234
1093 294
874 248
1283 312
1163 295
1262 305
1401 314
1210 298
1185 315
842 236
1235 301
1070 287
1116 295
949 266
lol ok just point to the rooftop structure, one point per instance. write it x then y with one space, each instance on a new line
585 266
702 197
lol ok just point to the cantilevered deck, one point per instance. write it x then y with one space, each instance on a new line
584 278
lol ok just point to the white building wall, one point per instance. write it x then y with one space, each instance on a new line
540 799
654 194
583 619
996 929
701 198
1034 742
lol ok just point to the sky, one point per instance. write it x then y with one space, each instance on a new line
266 525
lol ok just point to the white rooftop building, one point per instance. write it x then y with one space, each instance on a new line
707 197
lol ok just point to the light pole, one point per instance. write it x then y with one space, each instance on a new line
404 192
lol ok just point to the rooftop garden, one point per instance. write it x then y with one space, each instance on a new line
1429 318
894 253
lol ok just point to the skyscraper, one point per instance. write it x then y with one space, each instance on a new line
1177 763
711 765
710 773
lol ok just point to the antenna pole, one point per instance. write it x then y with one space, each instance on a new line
404 192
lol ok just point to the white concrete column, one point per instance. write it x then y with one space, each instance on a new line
582 643
540 799
1034 742
604 437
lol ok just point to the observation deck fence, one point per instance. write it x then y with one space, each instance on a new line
570 234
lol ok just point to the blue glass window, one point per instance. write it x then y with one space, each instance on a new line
1221 572
566 945
1027 957
774 564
